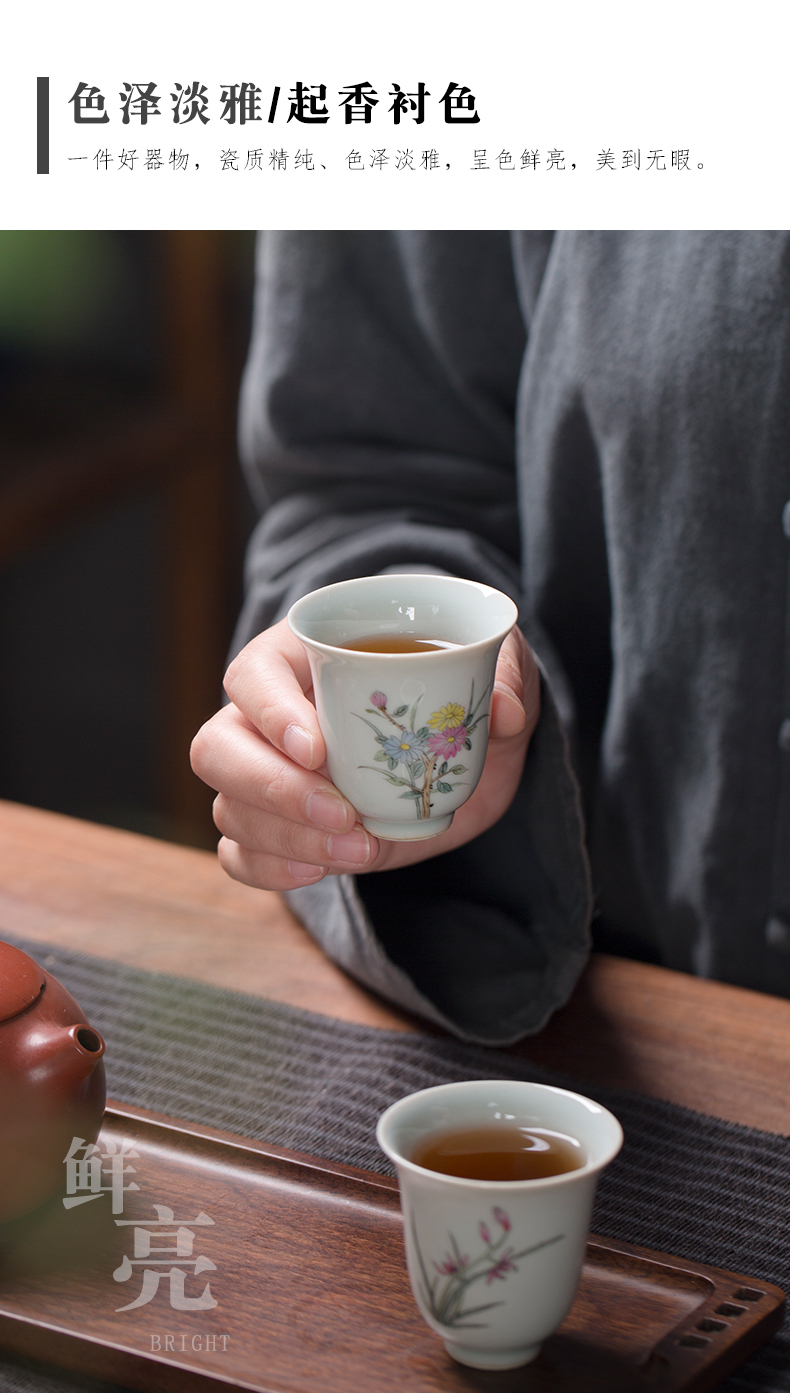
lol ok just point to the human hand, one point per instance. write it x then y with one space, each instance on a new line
283 823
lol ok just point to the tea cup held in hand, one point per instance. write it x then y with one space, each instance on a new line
494 1264
406 732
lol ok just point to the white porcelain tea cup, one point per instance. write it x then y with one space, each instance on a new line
405 733
494 1265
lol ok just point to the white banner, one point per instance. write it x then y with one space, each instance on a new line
420 114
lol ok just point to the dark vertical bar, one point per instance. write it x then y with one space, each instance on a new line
42 125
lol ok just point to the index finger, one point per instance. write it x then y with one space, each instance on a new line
267 682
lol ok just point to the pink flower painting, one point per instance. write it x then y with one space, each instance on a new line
448 744
447 1293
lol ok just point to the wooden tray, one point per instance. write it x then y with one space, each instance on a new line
310 1283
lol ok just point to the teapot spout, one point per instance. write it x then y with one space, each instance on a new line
88 1046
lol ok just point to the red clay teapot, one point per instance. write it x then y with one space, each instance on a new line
51 1082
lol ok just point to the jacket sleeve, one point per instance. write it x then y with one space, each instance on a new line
377 432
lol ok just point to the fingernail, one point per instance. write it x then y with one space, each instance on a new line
300 870
327 809
298 743
353 847
503 690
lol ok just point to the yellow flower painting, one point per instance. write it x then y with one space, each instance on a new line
450 715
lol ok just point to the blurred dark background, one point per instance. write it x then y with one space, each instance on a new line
123 516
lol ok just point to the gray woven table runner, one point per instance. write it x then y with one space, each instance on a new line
686 1184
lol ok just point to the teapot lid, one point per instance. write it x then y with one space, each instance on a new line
21 980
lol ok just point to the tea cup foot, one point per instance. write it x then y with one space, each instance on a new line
417 831
491 1358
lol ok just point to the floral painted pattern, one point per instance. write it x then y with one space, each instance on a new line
423 759
449 744
449 715
445 1294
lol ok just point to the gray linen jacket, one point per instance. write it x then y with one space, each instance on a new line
598 424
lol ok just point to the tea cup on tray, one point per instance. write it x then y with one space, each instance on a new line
497 1180
403 670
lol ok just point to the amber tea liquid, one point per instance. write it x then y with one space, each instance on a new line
397 643
499 1152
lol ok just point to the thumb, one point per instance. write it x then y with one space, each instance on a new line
515 703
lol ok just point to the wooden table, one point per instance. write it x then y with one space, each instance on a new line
719 1049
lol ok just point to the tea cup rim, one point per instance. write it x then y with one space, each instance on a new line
506 1186
497 635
